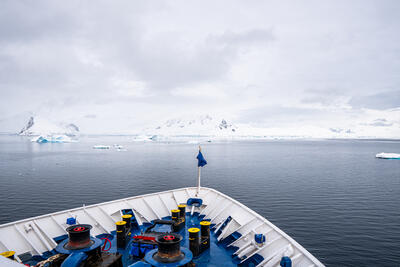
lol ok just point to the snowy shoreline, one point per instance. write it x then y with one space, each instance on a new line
141 138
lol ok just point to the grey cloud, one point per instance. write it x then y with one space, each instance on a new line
121 39
379 123
326 96
165 62
174 68
55 56
276 115
90 116
22 21
253 36
386 100
324 100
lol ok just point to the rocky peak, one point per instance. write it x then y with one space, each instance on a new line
29 125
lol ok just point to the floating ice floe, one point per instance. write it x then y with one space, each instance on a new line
101 147
142 138
116 146
384 155
155 138
119 148
52 139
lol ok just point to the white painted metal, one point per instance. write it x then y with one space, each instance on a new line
233 225
35 235
192 211
198 180
6 262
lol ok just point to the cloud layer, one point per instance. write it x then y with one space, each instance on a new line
334 64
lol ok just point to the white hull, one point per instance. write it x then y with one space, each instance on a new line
35 235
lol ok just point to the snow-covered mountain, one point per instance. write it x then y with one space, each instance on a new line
204 125
192 126
40 126
220 127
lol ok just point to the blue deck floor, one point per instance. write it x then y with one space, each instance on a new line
218 254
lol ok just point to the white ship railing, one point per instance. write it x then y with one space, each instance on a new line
35 235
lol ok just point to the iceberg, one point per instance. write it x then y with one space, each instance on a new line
41 139
101 147
384 155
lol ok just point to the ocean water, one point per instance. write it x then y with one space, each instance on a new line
333 197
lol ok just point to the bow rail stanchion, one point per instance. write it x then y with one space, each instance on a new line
201 162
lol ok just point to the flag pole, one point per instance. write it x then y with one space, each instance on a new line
198 177
198 181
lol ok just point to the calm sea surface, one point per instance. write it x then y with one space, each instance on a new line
333 197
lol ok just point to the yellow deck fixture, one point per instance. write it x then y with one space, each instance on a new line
205 223
194 230
120 223
182 206
8 254
127 216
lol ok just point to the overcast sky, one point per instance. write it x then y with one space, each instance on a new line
268 63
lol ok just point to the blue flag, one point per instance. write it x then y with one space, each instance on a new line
201 159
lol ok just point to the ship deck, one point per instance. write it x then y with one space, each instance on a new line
233 230
218 254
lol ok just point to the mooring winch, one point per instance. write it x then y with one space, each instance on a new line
81 247
169 251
